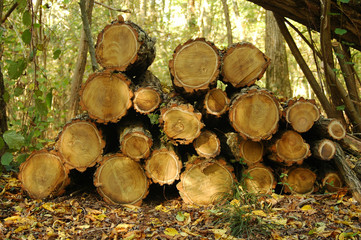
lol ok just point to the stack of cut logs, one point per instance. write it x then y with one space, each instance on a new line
134 132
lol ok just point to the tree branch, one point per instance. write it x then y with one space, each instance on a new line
112 8
13 7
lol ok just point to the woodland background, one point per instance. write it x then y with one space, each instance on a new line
42 46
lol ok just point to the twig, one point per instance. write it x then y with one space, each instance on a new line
13 7
86 26
112 8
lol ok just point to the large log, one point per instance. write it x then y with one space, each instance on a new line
81 144
124 46
301 114
43 174
121 180
206 182
195 66
255 114
106 96
164 166
243 64
299 180
259 179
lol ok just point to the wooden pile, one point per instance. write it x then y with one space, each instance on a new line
201 127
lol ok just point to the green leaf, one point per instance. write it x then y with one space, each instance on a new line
36 25
56 53
26 36
21 158
49 98
18 91
38 93
27 18
340 31
40 107
6 96
344 1
340 108
334 14
6 159
180 216
13 139
22 5
16 69
2 143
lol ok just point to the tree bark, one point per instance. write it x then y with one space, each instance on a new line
228 22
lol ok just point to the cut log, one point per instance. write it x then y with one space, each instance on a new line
323 149
43 174
348 174
147 94
124 46
135 142
121 180
216 102
251 152
81 144
255 114
207 145
195 66
259 179
288 147
332 181
206 182
243 64
301 114
299 180
106 96
329 127
163 166
181 123
351 144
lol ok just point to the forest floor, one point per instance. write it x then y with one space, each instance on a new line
82 214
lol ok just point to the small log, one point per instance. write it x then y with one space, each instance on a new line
81 144
332 181
243 64
121 180
43 174
207 145
251 152
195 66
351 144
348 174
123 46
206 182
216 102
181 123
163 166
288 147
299 180
259 179
147 94
255 114
106 96
329 127
135 141
323 149
301 114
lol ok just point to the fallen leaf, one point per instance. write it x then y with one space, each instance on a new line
259 213
171 232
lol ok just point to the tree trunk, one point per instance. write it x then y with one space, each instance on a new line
81 144
246 72
228 22
3 117
121 180
259 179
43 174
106 96
277 76
329 128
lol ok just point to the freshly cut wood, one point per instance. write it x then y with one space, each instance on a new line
207 145
323 149
43 174
206 182
121 180
81 144
106 96
329 127
251 152
288 147
332 181
243 64
299 180
124 46
216 102
163 166
259 179
301 114
181 123
255 114
195 65
135 142
348 174
147 93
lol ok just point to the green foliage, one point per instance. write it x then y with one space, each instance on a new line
16 68
340 31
